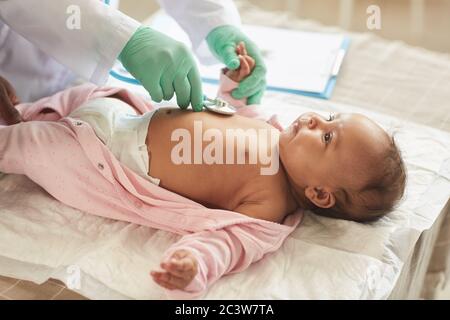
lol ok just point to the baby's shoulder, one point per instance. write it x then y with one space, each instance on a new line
270 200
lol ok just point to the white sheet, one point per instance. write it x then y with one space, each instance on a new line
40 237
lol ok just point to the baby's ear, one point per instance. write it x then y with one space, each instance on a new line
322 197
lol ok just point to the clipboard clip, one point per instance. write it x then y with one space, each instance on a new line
338 62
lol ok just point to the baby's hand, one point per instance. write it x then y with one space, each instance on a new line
180 268
246 66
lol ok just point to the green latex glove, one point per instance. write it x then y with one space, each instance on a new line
222 42
163 66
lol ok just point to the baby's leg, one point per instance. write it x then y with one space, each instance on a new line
57 106
50 154
35 148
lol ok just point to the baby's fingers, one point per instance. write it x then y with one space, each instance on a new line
250 61
243 48
180 254
245 68
164 284
169 280
183 269
238 50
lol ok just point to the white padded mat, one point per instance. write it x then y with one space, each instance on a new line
42 238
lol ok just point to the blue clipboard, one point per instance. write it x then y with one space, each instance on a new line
326 94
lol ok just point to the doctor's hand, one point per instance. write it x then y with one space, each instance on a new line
180 270
8 100
222 42
164 66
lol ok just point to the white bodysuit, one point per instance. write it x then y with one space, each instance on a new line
121 129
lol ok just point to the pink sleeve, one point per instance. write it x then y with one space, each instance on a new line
227 250
227 85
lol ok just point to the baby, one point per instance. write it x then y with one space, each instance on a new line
343 166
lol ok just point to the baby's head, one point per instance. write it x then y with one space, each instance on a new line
344 166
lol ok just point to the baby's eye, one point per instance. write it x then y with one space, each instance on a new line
327 137
331 117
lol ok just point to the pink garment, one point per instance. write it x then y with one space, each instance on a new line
96 182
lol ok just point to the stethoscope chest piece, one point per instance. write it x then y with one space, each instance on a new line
218 106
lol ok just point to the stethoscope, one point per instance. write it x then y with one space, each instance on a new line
216 105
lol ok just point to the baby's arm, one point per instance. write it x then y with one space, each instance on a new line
218 252
229 79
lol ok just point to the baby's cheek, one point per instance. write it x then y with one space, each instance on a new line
283 140
292 153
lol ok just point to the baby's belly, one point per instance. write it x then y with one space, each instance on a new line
207 167
215 186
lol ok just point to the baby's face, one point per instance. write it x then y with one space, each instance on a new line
334 152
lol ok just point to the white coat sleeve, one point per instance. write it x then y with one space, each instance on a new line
199 17
84 35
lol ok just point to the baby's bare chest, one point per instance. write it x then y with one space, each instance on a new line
204 138
213 160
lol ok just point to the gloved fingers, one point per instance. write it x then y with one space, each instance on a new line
182 90
229 56
256 98
154 89
196 89
167 84
249 91
250 85
254 52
